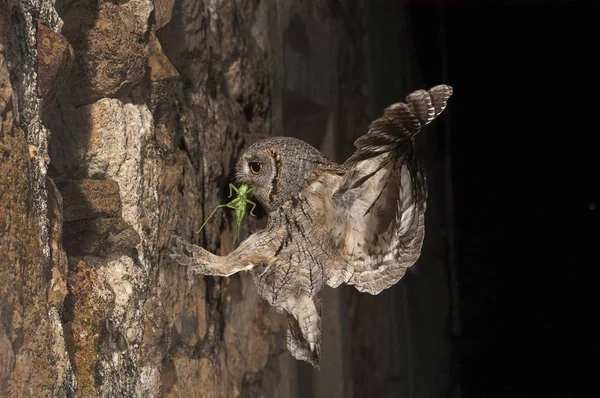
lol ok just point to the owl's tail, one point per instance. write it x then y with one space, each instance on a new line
391 137
401 122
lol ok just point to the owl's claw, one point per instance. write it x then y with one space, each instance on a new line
190 255
174 232
200 261
180 242
179 256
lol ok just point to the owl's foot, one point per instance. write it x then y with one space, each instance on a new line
194 257
297 347
310 322
304 333
201 261
190 255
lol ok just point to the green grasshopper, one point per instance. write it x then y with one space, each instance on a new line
239 204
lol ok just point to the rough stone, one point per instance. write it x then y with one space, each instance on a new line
57 284
99 237
196 372
163 9
156 332
122 368
5 28
54 59
87 307
120 148
164 78
113 140
145 131
109 44
86 198
246 335
33 360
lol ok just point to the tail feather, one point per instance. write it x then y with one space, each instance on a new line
390 138
400 123
440 95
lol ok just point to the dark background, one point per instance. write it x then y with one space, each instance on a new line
525 173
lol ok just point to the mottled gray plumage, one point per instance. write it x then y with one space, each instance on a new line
360 223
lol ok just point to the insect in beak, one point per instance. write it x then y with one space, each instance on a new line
239 204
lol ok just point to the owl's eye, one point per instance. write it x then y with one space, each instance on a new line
255 167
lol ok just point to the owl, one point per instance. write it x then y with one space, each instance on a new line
359 223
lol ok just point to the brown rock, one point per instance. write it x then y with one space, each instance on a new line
155 339
7 359
28 366
170 143
148 325
5 27
207 378
99 236
5 87
163 75
110 47
55 57
160 66
57 284
163 10
193 373
85 199
89 303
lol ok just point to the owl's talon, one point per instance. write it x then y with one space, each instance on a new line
190 255
179 257
178 241
190 277
174 232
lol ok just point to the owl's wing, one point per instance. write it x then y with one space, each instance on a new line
381 200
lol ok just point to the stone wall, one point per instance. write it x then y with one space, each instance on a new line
108 143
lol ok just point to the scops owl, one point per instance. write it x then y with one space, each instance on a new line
359 223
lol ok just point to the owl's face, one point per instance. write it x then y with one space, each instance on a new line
277 168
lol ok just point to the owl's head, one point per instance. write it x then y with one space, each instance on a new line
278 169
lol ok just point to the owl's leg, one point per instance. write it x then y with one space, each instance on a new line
304 334
296 344
201 261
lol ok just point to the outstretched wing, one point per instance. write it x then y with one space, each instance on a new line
381 201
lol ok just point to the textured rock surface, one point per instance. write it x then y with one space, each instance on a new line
84 199
54 59
135 142
34 359
110 44
89 302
